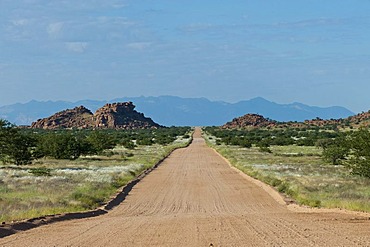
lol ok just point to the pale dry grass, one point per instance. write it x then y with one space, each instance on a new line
70 186
300 173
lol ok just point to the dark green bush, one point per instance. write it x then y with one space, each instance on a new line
42 171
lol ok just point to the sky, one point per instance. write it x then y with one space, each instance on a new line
310 51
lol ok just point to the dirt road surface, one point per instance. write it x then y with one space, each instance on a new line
195 199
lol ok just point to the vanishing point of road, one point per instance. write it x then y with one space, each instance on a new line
194 198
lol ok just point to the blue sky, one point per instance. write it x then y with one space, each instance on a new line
314 52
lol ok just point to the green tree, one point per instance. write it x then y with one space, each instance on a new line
100 141
15 146
127 143
145 141
4 135
359 161
264 146
336 151
245 143
19 149
59 146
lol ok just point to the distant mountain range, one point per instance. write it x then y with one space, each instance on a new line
177 111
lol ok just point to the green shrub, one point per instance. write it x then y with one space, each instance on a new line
41 171
15 146
359 161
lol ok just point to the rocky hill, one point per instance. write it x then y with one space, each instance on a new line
254 120
121 116
80 117
359 120
110 116
356 121
250 120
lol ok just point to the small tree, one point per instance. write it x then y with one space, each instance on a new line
14 145
59 146
127 143
359 161
100 141
245 143
264 146
19 149
335 151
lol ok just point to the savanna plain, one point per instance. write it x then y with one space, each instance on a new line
194 198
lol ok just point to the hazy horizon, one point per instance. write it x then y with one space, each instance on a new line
311 52
129 97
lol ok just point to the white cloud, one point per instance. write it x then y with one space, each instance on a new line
199 27
78 47
311 23
139 45
54 29
20 22
119 5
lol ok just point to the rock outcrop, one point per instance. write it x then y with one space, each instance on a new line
79 117
359 120
254 120
121 116
110 116
250 120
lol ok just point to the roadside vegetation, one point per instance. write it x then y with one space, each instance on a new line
74 170
315 167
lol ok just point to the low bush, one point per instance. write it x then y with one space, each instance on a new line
41 171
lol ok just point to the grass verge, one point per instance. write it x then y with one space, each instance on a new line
299 173
51 186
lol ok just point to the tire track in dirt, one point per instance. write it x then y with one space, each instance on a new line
194 198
